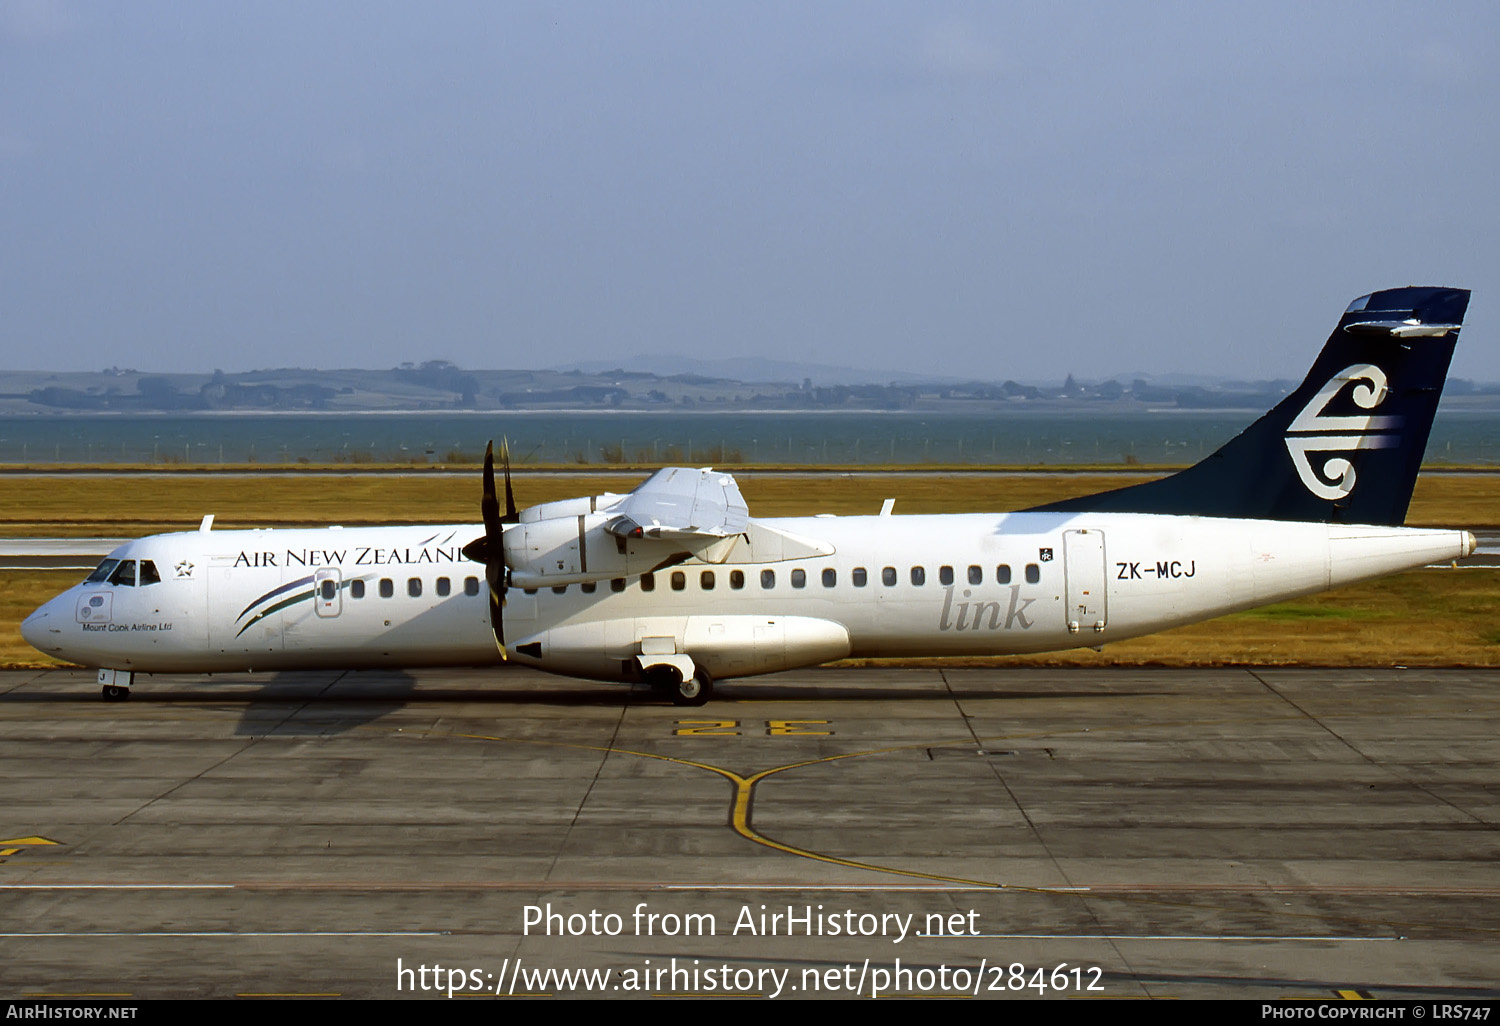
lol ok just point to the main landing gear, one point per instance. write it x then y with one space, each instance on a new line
692 689
695 690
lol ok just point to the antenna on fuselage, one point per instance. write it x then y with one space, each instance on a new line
208 522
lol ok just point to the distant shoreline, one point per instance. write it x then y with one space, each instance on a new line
1007 410
1038 406
1078 434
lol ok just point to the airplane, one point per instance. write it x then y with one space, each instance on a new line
675 585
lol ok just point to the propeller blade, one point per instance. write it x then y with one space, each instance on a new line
511 515
497 606
490 549
489 505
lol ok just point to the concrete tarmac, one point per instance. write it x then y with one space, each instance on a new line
1220 833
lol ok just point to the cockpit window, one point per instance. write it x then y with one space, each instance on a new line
148 573
124 573
102 572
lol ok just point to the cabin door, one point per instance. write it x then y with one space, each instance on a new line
1083 563
328 597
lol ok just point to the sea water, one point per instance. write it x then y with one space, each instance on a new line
724 439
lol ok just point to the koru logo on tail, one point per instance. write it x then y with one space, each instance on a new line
1316 432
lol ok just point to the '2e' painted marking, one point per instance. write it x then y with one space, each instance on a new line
732 728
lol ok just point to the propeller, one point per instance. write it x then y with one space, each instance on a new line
490 549
512 516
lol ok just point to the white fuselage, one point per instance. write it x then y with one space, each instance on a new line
887 586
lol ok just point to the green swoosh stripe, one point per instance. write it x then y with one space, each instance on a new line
278 607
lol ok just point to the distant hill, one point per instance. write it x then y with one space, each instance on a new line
710 385
751 368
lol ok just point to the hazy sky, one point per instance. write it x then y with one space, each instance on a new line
989 189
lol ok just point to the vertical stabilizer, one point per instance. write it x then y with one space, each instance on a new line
1345 446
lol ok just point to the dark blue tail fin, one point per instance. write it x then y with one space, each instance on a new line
1345 446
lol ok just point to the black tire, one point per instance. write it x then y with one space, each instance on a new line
114 693
696 690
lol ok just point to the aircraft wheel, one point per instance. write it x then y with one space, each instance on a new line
693 691
114 693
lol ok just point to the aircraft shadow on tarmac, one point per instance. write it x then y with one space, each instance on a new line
303 703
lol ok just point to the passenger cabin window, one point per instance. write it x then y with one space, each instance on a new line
387 587
830 577
768 578
1002 573
799 578
945 575
859 577
976 575
1033 573
918 575
124 573
559 589
414 587
102 571
444 587
679 580
588 587
328 588
357 589
888 577
736 579
706 579
648 582
617 584
471 586
148 573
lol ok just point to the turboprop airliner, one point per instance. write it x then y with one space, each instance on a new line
674 584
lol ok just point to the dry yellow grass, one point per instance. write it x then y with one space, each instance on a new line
138 504
1438 618
21 591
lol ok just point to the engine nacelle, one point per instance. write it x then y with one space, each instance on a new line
571 549
568 507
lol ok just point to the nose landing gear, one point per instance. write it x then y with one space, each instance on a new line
114 685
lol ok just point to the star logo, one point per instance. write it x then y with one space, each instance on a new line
184 569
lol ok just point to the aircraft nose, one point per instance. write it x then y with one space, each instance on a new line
34 627
43 629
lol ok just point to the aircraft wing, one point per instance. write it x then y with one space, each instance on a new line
681 503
